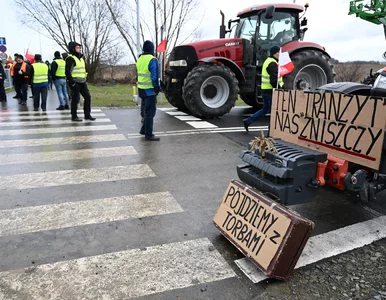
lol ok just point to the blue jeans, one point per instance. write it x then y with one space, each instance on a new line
267 101
150 103
61 90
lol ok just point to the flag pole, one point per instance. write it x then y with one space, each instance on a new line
278 70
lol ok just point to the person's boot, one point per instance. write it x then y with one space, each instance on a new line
61 107
152 138
76 119
66 106
90 118
246 125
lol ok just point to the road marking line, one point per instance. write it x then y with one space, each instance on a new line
167 108
200 131
176 113
49 122
76 128
70 214
201 124
68 177
26 158
187 118
63 140
43 117
34 113
120 275
328 244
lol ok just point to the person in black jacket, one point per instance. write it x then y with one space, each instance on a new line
3 76
20 78
77 77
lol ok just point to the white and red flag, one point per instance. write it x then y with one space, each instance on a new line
286 65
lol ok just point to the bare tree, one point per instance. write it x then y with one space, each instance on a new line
351 72
87 22
175 19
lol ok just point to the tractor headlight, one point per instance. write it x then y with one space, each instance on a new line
178 63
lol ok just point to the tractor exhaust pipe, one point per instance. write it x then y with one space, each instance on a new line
222 27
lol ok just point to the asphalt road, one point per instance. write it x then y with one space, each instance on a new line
92 211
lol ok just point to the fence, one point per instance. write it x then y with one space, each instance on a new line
8 81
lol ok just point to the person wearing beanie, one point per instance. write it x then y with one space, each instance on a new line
148 88
269 81
19 73
58 74
77 79
39 81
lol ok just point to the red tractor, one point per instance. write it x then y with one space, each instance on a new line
205 77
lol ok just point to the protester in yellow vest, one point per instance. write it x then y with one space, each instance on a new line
77 77
269 81
148 88
58 74
39 81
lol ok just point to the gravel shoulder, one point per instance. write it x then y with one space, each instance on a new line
358 274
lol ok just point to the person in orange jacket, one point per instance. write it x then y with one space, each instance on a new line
19 73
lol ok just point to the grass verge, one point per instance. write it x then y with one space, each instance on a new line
122 96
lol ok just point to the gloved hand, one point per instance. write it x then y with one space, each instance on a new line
157 89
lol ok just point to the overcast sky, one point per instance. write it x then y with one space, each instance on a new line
344 37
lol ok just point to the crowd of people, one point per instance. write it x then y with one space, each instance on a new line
67 72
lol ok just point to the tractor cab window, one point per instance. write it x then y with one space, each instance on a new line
280 29
247 28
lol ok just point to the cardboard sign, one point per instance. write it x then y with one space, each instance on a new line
350 127
262 229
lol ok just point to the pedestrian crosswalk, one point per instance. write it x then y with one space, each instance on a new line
45 157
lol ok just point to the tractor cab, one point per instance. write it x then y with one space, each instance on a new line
264 26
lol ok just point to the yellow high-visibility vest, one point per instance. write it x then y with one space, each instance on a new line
79 71
144 75
265 77
60 72
40 72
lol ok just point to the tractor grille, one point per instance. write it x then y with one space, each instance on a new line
187 53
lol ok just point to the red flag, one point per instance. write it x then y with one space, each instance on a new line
286 65
162 46
30 57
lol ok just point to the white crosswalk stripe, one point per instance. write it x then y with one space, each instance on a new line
125 274
69 214
119 275
58 178
49 122
43 117
63 140
23 158
48 112
76 128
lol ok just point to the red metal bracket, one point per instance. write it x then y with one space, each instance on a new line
336 171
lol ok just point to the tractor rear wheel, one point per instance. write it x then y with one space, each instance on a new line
210 91
176 100
312 70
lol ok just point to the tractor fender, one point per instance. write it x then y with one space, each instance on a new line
347 88
295 46
227 62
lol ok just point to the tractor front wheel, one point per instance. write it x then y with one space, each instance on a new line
176 100
312 70
210 91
